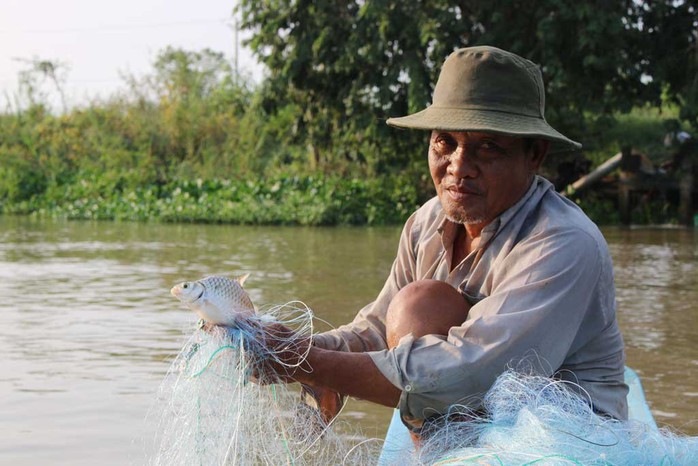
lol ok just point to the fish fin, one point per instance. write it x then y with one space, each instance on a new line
241 279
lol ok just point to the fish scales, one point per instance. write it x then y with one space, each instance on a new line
216 299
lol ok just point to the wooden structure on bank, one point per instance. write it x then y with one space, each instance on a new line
637 174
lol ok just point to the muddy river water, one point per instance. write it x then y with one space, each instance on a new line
87 325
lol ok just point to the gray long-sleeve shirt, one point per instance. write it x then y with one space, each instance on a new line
543 300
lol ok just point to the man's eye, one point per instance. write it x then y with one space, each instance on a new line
490 147
444 142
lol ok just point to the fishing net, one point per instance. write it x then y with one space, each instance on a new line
536 420
214 409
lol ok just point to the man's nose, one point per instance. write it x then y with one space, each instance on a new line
462 163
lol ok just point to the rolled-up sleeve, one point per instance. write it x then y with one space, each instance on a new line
541 294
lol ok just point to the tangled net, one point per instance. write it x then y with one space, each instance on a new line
536 420
211 413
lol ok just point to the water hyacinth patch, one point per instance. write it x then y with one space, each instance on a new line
292 200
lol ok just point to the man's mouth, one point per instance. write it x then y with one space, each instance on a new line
461 192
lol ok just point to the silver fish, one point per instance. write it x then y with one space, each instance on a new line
217 300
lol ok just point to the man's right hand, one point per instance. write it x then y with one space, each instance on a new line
286 356
327 402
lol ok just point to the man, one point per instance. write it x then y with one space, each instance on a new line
496 271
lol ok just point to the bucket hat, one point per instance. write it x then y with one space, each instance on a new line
490 90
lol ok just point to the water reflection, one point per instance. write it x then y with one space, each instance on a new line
87 324
657 287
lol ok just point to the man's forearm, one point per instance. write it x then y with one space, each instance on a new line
352 374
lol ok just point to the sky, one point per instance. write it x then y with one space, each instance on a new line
100 40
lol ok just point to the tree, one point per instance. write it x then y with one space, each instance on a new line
187 108
38 71
351 63
670 33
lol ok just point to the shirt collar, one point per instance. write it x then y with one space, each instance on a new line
506 216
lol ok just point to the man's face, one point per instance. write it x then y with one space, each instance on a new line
479 175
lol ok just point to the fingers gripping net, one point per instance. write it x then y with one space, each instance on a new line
212 413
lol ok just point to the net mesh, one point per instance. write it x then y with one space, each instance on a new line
211 412
536 420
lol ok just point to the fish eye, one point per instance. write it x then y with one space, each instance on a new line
185 286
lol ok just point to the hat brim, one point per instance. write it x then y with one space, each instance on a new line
486 121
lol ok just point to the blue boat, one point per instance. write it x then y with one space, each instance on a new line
398 442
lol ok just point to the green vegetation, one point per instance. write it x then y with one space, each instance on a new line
285 200
186 144
642 128
194 142
353 65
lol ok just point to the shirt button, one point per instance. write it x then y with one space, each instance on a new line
408 388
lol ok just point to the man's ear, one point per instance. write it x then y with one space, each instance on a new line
539 149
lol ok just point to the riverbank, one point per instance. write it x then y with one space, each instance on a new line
197 145
282 200
191 144
310 200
